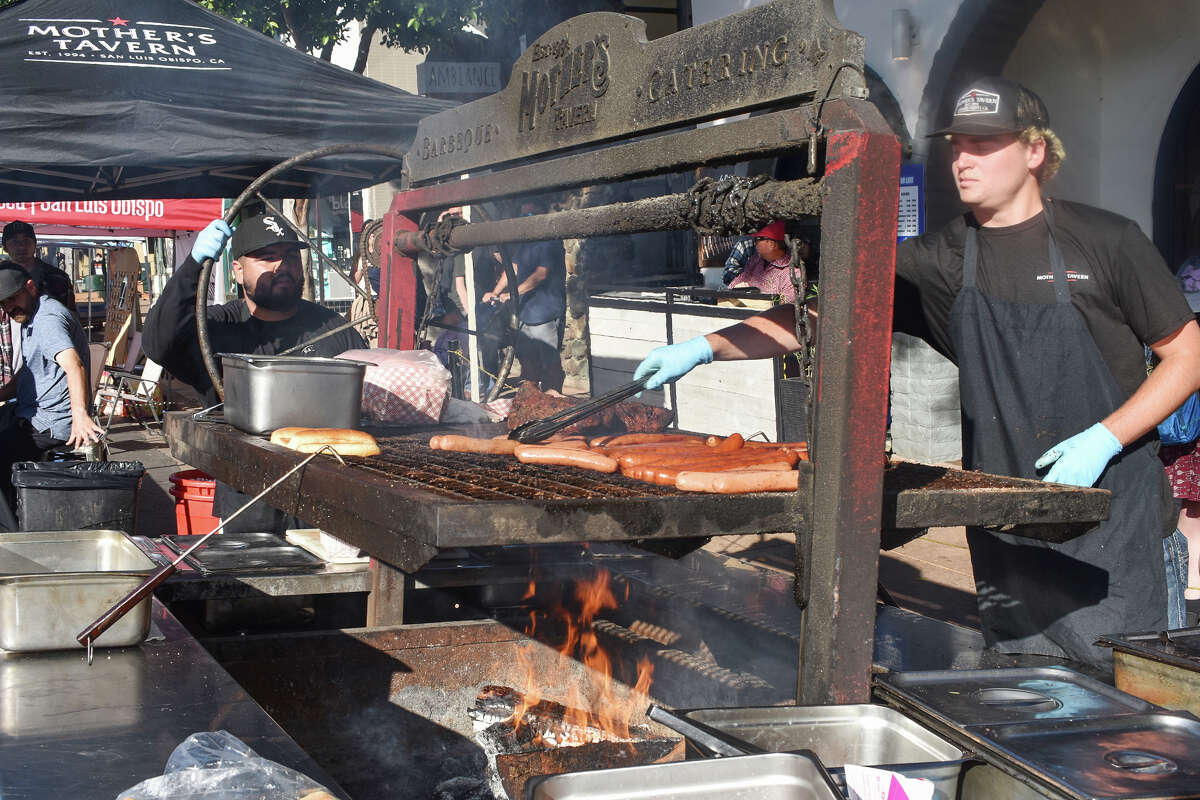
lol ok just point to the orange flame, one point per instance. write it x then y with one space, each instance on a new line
580 642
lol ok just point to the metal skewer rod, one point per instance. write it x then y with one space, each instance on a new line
106 620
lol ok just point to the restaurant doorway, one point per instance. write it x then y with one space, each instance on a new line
1176 207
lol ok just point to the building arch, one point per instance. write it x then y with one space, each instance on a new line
1176 204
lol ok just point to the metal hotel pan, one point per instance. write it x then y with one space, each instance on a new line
1019 694
263 393
771 776
53 583
866 735
1127 756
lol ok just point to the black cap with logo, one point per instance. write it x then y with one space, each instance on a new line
261 231
16 228
13 278
991 106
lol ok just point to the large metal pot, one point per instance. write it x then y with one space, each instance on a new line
263 393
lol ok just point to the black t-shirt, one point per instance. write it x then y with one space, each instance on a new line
169 335
1118 281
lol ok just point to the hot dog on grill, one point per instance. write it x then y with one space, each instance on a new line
345 441
738 482
641 438
469 444
564 457
729 443
665 474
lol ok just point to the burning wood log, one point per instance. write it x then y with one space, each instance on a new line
549 738
503 715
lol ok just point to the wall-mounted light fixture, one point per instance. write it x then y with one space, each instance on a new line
904 34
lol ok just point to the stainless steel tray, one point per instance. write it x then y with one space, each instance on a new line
867 735
991 696
244 552
263 393
54 583
773 776
1128 756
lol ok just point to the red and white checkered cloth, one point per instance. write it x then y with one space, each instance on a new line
403 387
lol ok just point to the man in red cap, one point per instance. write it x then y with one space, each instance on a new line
768 270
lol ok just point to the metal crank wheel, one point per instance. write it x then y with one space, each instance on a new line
254 191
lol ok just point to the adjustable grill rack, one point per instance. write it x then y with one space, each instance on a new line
595 80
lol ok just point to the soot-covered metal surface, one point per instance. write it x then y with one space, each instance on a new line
410 502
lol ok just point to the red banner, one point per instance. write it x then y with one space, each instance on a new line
165 215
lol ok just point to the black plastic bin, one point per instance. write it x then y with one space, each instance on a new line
76 496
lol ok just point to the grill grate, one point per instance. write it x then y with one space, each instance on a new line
474 476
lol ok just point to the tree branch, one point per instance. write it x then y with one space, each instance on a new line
364 47
299 41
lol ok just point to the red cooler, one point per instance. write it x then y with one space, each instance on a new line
193 492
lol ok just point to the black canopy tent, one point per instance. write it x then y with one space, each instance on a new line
116 99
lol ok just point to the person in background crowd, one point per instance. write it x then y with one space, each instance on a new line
270 318
769 268
541 288
51 388
20 243
735 263
1183 461
1044 305
10 334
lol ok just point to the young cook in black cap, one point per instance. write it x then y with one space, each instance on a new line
269 318
1045 306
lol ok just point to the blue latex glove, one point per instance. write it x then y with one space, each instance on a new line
671 362
1080 459
210 242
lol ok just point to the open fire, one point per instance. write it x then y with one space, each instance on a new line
597 726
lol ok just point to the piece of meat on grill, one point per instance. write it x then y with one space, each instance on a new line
532 404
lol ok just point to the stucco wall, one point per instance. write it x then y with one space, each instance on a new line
1109 78
906 79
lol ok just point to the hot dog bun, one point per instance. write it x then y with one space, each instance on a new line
346 441
283 435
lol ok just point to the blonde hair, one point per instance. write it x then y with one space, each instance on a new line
1054 151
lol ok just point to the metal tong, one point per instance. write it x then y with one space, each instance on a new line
539 429
712 742
123 606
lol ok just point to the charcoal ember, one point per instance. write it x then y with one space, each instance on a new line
532 404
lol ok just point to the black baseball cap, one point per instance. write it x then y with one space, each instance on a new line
990 106
16 228
12 278
261 231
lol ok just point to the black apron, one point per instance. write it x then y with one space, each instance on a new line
1030 376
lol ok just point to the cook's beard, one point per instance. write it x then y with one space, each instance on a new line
277 298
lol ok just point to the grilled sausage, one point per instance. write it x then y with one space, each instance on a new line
728 444
665 475
640 438
468 444
685 458
738 482
564 457
650 454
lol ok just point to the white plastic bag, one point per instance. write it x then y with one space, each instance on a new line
403 387
216 765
